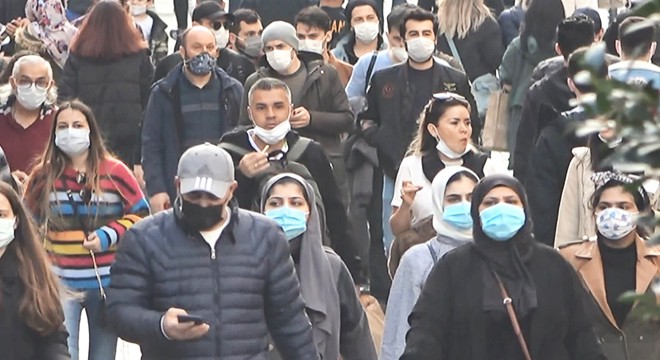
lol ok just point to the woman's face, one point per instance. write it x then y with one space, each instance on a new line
616 197
459 191
454 127
500 194
71 118
6 212
287 194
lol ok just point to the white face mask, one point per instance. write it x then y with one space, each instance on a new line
444 148
614 223
420 49
222 37
315 46
400 54
72 141
366 32
7 229
279 60
31 97
274 135
138 10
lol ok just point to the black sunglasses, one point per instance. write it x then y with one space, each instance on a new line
220 24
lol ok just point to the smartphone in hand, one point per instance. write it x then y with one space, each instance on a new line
198 320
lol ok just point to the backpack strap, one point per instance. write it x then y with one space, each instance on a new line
370 69
433 254
299 148
234 149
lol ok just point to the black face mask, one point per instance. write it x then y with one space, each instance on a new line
202 218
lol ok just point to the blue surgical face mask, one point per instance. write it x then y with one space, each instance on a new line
458 215
502 221
292 221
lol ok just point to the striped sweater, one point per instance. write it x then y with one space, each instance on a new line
109 214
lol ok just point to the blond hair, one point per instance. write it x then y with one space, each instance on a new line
459 17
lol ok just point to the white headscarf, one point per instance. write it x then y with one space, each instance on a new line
438 187
49 24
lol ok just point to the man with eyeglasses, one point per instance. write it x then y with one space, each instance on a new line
26 115
211 15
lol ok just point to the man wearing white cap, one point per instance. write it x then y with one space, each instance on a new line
206 279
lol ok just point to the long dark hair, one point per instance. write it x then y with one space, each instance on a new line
107 33
40 305
53 162
541 20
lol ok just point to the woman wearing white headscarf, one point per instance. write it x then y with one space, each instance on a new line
451 192
339 324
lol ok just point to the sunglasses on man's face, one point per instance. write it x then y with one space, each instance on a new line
221 24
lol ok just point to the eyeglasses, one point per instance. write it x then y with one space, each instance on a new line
25 82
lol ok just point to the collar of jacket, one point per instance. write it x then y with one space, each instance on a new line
312 61
588 262
159 24
193 233
348 43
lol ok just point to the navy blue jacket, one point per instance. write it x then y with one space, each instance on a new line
510 21
163 126
245 289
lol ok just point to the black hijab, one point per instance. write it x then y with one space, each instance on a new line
506 258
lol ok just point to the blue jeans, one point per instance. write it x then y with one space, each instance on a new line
102 342
388 194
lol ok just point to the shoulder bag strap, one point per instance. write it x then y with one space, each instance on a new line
298 149
512 316
433 254
454 50
370 70
74 208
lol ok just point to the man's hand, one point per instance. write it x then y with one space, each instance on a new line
181 331
13 25
254 163
159 202
300 118
93 243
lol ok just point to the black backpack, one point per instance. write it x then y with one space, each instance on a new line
287 163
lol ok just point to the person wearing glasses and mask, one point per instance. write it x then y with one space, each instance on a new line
443 140
210 15
196 102
26 113
618 261
84 199
476 295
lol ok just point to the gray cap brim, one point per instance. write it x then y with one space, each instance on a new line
205 184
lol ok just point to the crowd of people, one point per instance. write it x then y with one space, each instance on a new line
306 179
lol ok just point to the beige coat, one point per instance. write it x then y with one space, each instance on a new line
636 339
575 220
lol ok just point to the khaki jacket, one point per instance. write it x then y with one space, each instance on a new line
636 340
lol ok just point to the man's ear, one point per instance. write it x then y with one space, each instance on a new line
572 87
617 46
558 49
232 39
652 50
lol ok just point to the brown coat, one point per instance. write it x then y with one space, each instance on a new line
636 340
344 69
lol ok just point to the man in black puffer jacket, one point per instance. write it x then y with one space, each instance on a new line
227 270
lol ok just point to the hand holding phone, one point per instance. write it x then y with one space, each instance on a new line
197 320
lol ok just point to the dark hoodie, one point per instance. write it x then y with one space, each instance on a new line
545 180
543 101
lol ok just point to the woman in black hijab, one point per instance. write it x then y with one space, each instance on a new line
460 313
